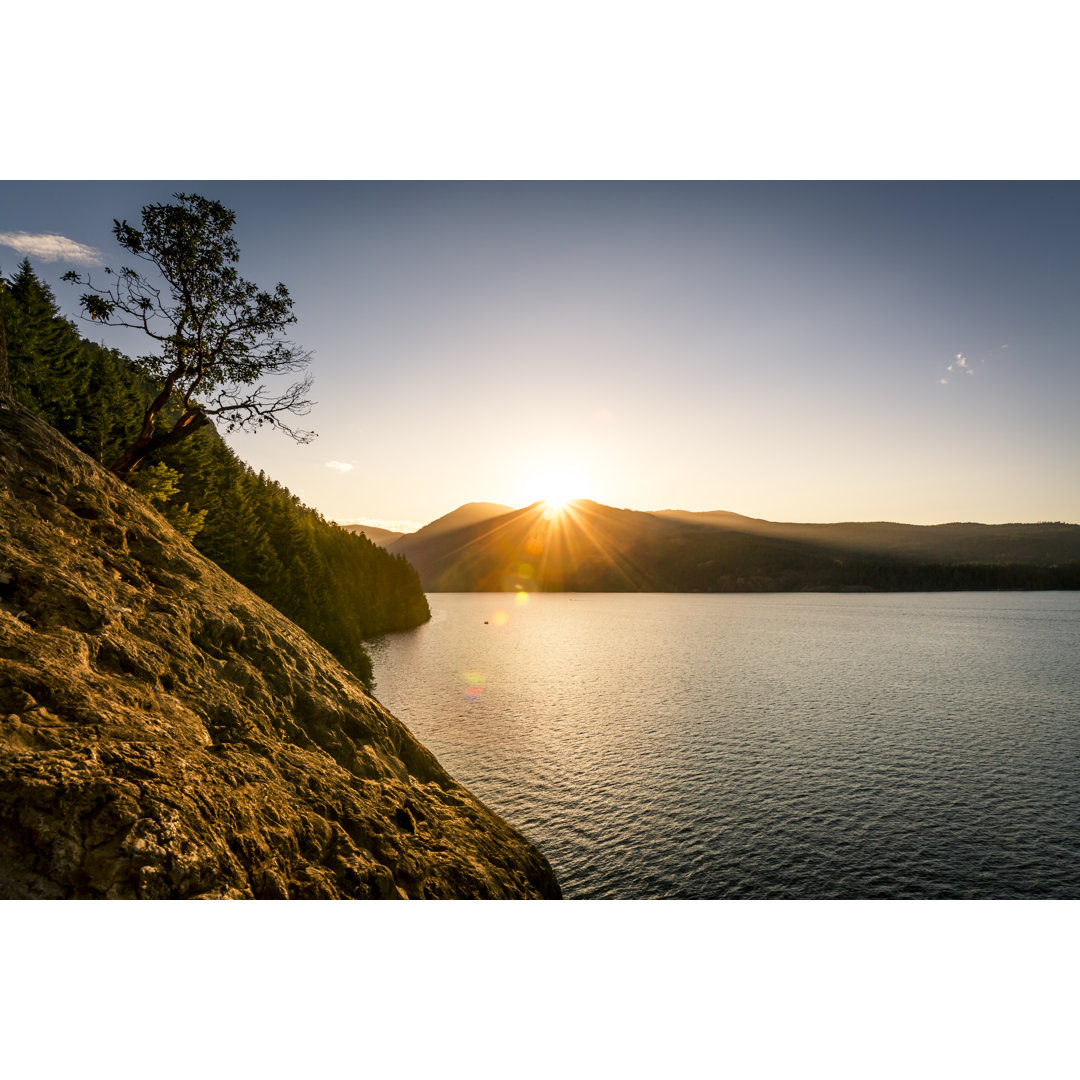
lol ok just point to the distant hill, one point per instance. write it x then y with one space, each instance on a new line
382 537
467 516
1043 544
403 543
594 548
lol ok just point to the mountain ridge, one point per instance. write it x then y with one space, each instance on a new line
592 547
470 513
382 537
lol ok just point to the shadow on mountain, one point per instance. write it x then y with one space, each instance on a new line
587 547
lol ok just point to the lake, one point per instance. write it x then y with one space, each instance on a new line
791 745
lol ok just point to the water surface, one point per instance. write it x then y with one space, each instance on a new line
780 745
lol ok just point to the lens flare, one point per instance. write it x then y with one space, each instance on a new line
475 685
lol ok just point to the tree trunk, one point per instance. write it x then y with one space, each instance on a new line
145 445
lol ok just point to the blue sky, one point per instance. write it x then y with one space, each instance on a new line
794 351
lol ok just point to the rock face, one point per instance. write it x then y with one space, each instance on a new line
166 734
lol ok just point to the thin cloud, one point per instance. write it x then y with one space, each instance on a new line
49 247
339 466
943 381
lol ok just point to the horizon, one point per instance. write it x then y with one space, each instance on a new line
413 526
798 352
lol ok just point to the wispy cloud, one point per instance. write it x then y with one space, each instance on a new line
943 380
49 247
339 466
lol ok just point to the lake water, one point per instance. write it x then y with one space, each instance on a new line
764 746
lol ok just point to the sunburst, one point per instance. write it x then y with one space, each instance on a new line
556 486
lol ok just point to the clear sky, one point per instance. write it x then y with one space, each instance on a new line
792 351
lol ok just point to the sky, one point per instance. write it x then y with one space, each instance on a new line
797 351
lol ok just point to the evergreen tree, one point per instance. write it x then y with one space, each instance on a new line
158 484
44 353
5 378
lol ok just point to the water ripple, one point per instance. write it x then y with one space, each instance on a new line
782 746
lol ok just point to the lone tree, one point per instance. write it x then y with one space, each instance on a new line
218 335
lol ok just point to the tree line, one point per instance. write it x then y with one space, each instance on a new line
339 587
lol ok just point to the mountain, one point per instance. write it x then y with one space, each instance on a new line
437 540
593 548
383 537
464 516
1041 544
164 733
403 543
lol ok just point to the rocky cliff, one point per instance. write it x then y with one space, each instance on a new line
165 733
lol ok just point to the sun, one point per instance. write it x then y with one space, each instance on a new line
557 488
556 485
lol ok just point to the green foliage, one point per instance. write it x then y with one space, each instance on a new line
158 484
43 350
187 522
341 588
82 389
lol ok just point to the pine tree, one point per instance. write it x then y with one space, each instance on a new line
44 353
5 378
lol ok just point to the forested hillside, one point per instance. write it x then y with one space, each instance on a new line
339 587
